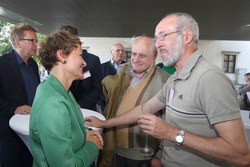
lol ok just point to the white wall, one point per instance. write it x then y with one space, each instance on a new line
101 46
211 50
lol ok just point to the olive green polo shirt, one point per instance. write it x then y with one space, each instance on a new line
202 95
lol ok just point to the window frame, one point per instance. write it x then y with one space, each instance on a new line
229 59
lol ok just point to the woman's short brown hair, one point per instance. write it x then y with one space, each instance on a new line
60 40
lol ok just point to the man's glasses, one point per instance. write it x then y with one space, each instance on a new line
163 36
33 41
119 50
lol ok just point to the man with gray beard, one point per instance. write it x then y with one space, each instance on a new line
176 52
203 125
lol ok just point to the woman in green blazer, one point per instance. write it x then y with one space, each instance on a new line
58 136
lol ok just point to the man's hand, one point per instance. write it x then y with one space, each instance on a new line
24 109
155 126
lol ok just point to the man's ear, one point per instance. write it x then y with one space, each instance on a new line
188 36
17 43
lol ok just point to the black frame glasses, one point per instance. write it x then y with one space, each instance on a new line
33 41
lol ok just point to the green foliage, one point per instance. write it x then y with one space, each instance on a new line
5 45
40 37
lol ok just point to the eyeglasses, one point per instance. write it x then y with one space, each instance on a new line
119 50
33 41
163 36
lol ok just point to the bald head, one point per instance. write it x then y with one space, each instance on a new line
143 53
117 52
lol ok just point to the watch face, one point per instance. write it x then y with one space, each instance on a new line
179 139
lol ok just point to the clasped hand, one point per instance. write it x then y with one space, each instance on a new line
95 137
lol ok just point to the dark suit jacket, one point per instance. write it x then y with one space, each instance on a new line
108 69
12 95
12 91
87 91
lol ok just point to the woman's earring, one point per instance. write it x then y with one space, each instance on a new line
64 61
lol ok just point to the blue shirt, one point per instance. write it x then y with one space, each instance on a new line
29 78
117 67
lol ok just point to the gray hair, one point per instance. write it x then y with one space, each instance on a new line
153 48
185 21
113 46
17 32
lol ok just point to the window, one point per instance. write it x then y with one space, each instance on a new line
127 55
229 61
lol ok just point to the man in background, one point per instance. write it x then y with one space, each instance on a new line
87 92
113 66
19 79
243 90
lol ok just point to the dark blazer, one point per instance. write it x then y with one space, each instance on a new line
87 91
12 95
108 69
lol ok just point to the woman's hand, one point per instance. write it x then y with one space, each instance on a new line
95 137
24 109
94 122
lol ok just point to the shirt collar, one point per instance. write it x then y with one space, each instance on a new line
112 62
133 73
20 60
187 68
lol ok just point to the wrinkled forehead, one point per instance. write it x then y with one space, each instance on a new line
168 24
117 46
142 45
30 34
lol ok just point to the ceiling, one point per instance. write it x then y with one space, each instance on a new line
218 19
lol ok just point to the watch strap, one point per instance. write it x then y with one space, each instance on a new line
182 132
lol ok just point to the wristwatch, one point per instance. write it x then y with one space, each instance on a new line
179 138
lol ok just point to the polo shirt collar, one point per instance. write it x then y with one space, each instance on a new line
187 68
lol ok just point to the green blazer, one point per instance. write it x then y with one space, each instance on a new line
57 131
